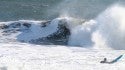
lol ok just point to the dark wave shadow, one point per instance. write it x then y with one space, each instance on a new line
59 37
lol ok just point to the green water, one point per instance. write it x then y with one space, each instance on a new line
49 9
25 9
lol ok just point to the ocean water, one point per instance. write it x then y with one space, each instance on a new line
98 24
23 9
62 34
50 9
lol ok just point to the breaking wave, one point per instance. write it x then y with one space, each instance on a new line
107 30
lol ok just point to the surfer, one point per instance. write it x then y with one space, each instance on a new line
113 61
104 61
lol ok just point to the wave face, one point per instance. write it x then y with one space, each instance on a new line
35 32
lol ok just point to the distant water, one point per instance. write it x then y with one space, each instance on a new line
25 9
50 9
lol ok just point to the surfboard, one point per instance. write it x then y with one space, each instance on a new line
116 59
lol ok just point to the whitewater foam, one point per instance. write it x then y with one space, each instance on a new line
111 26
105 31
36 31
81 34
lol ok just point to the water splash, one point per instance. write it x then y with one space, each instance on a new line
112 26
104 32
